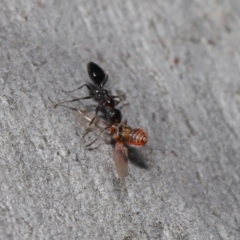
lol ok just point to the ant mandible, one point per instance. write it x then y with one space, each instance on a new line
99 78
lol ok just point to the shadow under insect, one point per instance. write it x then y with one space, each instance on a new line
136 158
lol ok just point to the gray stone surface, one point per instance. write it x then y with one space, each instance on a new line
177 62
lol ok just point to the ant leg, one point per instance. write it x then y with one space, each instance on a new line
96 112
84 85
116 101
73 100
72 108
98 136
116 97
125 104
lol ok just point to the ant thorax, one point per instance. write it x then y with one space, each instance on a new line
99 93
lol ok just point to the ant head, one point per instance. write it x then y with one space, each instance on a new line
96 74
114 116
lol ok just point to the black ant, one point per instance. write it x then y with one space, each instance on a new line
99 78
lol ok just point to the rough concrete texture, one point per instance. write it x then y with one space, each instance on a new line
177 62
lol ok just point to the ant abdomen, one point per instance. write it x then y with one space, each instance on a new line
137 137
96 74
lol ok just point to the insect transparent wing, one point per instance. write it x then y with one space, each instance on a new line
84 117
120 159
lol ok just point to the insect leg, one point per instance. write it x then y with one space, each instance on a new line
116 101
96 112
73 100
98 136
84 85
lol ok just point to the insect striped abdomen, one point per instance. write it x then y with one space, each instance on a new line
137 137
